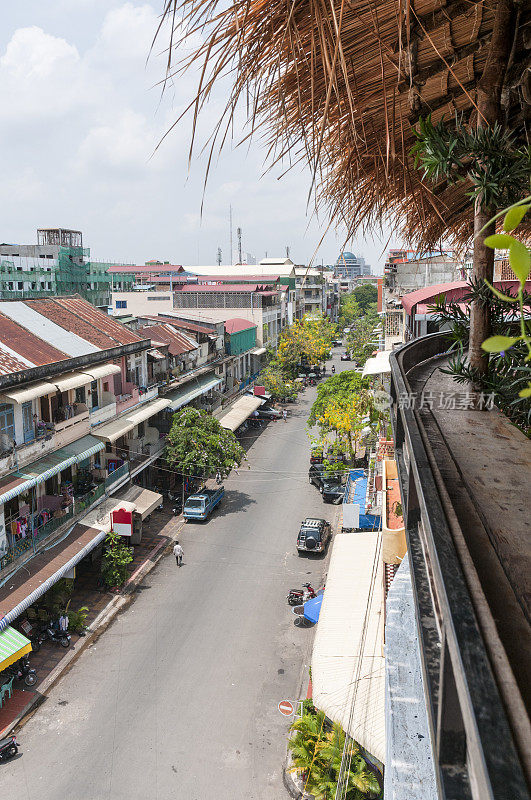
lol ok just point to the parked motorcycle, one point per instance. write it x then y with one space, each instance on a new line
298 596
59 637
23 671
8 748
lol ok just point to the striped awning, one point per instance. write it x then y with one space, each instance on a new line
13 645
39 471
194 388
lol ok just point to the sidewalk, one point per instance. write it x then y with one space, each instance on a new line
52 660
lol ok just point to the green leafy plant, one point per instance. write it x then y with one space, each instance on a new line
77 620
199 446
115 560
520 261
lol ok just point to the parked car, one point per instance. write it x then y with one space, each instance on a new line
314 535
344 357
333 489
337 342
269 413
320 474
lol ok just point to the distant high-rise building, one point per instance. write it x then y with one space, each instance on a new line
350 266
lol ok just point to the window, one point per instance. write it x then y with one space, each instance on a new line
21 284
7 421
164 297
122 303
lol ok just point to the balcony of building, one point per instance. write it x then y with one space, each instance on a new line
132 395
464 482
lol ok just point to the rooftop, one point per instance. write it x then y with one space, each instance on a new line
238 324
168 334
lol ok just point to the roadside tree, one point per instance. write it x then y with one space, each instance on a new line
366 296
342 405
280 387
306 341
199 446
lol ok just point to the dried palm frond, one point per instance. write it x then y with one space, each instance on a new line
341 84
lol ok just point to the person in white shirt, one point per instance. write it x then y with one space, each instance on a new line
178 552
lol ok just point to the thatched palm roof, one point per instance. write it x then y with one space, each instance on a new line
340 83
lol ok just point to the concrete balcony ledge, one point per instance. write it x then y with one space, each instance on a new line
464 479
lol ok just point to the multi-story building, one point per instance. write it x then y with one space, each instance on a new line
58 264
350 266
312 290
76 419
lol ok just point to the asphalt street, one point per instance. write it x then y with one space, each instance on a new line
178 698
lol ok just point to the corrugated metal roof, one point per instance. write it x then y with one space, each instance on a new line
81 318
225 287
46 329
139 269
177 342
238 324
26 344
10 363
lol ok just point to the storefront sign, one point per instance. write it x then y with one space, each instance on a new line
122 522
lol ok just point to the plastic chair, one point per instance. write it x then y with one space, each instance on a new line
7 688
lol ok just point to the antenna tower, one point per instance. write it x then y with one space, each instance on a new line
239 232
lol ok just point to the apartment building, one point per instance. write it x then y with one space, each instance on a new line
58 264
76 419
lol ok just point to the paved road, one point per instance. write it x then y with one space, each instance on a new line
178 699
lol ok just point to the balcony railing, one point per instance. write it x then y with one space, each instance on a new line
117 475
474 746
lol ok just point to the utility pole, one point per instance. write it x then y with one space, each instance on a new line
219 257
239 233
287 251
230 226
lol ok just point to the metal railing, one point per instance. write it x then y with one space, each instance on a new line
117 475
474 751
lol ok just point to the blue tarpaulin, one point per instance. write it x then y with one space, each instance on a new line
312 608
356 492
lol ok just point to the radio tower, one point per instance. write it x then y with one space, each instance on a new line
230 226
219 257
239 232
287 251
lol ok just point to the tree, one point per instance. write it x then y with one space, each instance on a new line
359 338
343 401
365 295
308 340
116 558
280 387
348 309
303 747
358 781
199 446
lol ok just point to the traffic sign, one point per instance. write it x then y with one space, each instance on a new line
286 708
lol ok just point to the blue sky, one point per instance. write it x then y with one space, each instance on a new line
81 117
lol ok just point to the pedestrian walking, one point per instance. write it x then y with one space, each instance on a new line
285 414
178 552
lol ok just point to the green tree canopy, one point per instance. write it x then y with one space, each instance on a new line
365 295
309 339
198 445
342 402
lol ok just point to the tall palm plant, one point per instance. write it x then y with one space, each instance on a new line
303 747
360 781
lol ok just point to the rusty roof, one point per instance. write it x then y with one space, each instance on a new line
80 317
167 333
27 345
10 363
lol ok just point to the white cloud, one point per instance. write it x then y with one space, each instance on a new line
33 54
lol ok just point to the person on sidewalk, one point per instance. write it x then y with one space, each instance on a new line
178 552
284 415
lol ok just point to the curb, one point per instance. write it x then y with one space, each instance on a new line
107 615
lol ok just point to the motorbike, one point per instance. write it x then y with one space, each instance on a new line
23 671
54 635
298 596
333 370
8 748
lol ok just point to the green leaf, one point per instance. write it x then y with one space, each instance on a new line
525 392
520 260
514 217
497 344
500 295
500 241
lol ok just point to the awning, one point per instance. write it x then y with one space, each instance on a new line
100 516
71 381
111 431
148 410
144 500
155 354
13 645
29 392
44 570
258 351
240 411
102 371
191 390
348 668
378 365
39 471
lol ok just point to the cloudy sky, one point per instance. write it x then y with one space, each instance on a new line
81 116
